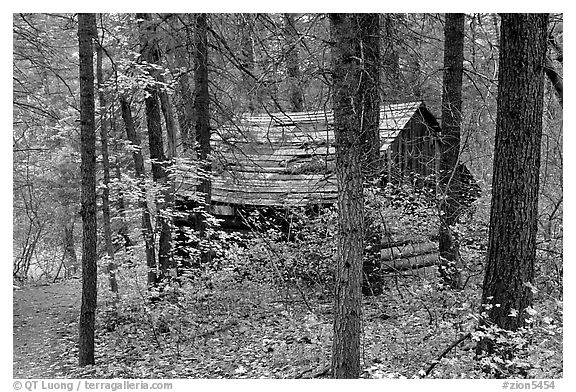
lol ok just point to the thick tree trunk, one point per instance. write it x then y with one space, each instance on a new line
347 75
150 54
86 32
111 267
514 209
201 104
147 230
367 96
450 210
293 64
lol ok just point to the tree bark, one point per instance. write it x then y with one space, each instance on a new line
70 248
368 94
121 200
151 55
347 75
248 84
202 106
391 61
86 32
514 209
147 230
184 102
449 208
111 267
168 112
292 64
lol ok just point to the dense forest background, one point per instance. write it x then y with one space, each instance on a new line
197 300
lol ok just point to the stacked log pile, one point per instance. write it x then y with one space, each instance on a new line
405 255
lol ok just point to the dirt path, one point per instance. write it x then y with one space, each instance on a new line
44 325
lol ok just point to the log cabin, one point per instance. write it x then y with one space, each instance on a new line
288 159
277 161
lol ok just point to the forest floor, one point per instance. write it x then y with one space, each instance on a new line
44 322
231 329
243 330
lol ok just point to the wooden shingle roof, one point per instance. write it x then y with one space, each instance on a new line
286 159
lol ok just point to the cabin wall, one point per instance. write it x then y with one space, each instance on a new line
413 154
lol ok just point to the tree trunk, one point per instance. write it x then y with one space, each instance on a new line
293 64
121 200
414 77
391 62
184 102
111 267
347 75
514 209
201 104
168 112
86 32
70 248
368 94
450 209
248 84
33 234
147 231
151 54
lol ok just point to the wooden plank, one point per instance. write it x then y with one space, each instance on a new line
242 171
240 144
266 192
266 200
272 161
408 250
250 188
279 177
240 198
279 181
284 152
241 191
275 192
277 186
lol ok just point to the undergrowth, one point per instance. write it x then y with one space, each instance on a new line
264 310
